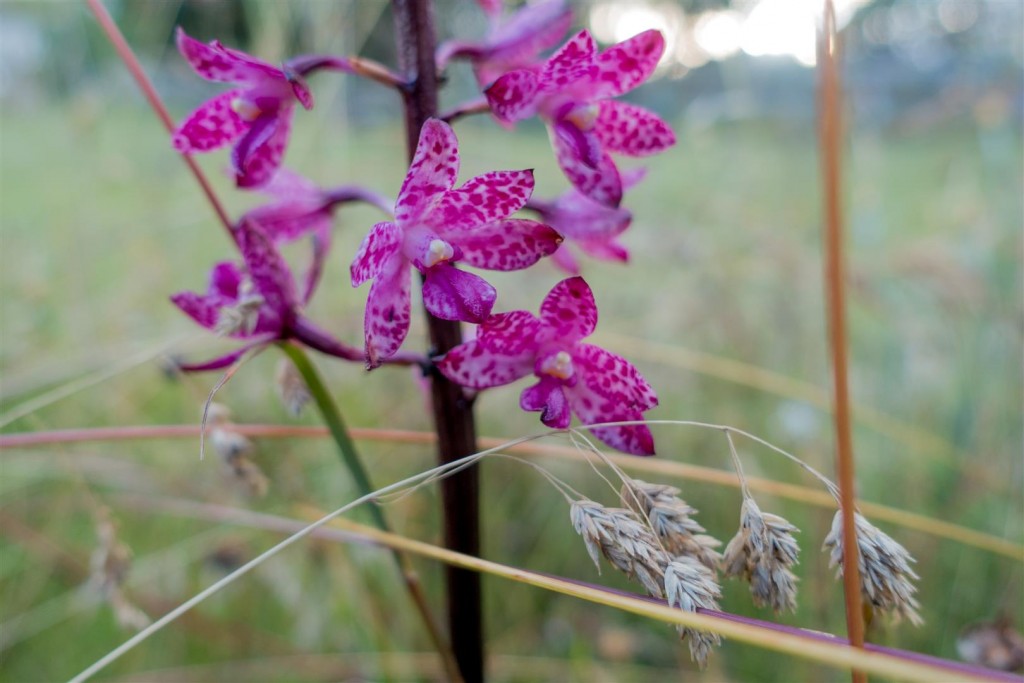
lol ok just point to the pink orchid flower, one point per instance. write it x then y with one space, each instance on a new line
596 385
300 207
511 44
590 227
571 93
257 114
435 226
256 302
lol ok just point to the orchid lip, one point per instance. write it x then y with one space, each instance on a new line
245 109
437 251
583 116
558 365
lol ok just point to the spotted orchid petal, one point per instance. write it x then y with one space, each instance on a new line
575 150
267 269
614 377
573 62
569 310
513 97
379 246
475 366
513 334
486 198
203 308
626 65
386 321
511 244
435 165
258 155
612 390
211 126
547 396
632 130
214 62
453 294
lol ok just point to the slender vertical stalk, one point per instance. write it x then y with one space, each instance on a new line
835 277
350 456
453 413
126 54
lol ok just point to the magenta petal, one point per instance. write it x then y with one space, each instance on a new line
491 7
632 130
535 27
569 309
204 309
288 221
605 250
483 199
322 240
258 155
513 97
432 172
211 126
225 278
578 217
600 181
548 397
269 272
226 360
612 390
386 322
475 366
572 62
511 244
379 245
626 65
453 294
614 378
301 90
217 63
565 260
287 185
513 333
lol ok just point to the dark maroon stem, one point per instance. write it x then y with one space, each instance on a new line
453 413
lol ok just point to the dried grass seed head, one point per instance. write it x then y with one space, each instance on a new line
689 586
624 540
291 388
672 520
885 573
763 552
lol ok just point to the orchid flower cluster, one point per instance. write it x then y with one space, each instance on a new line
437 225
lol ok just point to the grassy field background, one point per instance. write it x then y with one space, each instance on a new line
100 222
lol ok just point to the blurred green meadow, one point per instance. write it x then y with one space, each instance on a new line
100 222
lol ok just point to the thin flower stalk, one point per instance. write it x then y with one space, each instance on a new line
350 457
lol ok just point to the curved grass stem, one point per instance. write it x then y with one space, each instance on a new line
350 457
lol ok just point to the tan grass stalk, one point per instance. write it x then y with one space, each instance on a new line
831 146
803 494
915 438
